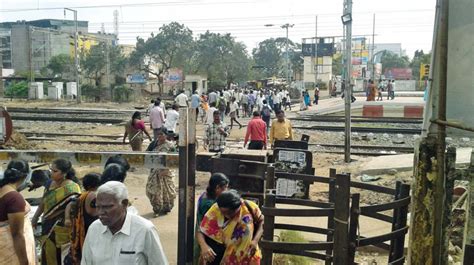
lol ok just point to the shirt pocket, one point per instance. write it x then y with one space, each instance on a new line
127 257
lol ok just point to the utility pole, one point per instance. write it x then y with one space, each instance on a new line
347 22
373 48
107 68
30 53
316 53
286 26
76 55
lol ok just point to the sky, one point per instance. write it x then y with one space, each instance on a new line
409 22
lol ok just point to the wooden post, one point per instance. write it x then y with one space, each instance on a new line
422 213
270 179
182 185
332 199
354 224
191 183
341 219
268 229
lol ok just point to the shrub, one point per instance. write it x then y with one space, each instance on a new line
17 89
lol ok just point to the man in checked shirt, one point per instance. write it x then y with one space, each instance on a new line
216 133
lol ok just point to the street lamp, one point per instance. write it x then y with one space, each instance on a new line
285 26
76 57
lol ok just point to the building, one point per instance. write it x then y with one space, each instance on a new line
29 45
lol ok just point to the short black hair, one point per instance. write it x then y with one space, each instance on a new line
216 180
91 181
256 113
229 199
279 112
118 159
113 172
216 112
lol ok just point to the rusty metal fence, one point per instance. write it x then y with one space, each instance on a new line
342 211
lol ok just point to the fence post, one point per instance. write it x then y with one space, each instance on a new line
398 249
182 184
395 222
332 198
270 179
268 229
354 224
191 183
341 219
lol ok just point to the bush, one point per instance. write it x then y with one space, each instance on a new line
122 93
322 86
91 92
17 89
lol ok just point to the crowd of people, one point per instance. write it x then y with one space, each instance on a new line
373 90
91 220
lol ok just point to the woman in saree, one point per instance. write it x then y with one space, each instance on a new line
16 234
233 228
84 213
218 183
63 190
134 129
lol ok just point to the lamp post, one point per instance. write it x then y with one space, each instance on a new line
347 23
285 26
76 57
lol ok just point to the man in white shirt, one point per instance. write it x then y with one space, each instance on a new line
182 100
212 97
172 119
119 237
157 119
210 113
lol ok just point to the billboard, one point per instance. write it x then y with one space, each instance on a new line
324 49
173 76
398 73
136 79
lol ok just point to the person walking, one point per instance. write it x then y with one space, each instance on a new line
252 101
134 129
160 188
181 100
393 90
389 89
233 114
234 226
222 106
195 102
212 97
157 119
218 183
17 242
281 128
316 95
245 104
380 90
256 133
120 237
172 119
210 113
216 134
266 114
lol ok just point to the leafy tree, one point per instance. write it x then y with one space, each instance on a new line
419 58
222 59
392 60
271 55
94 66
60 66
171 47
337 66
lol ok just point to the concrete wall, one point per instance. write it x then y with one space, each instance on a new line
324 69
405 85
460 99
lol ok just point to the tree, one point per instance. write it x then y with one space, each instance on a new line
337 66
392 60
171 47
61 66
222 59
94 66
271 56
419 58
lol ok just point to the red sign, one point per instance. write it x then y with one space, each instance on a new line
398 73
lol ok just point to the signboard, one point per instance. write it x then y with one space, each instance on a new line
173 76
398 73
136 79
324 49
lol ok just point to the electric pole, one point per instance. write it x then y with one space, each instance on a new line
347 22
286 26
316 53
373 48
76 55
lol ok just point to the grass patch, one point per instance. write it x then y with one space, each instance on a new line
282 259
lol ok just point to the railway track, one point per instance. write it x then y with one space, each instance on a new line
358 119
361 129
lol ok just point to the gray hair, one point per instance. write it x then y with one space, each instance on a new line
115 188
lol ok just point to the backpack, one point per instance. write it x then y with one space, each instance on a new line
266 111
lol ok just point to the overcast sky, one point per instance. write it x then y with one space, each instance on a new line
409 22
